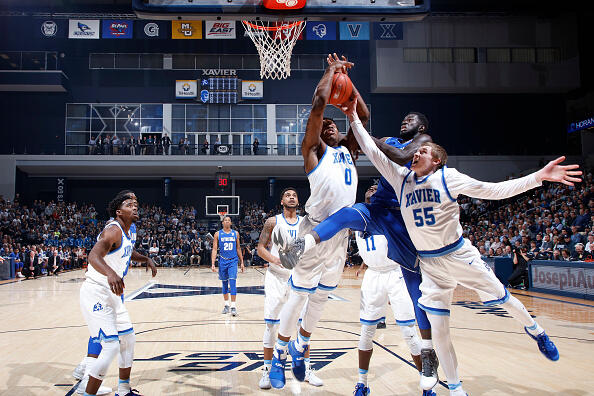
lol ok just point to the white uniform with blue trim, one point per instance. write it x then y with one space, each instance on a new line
382 282
431 214
104 312
276 286
333 185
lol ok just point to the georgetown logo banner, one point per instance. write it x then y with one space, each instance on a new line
83 29
117 29
151 29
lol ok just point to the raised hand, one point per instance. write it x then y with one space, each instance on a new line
554 172
350 109
339 63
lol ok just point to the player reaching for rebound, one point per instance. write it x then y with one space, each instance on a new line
333 182
276 286
382 282
428 193
226 242
101 295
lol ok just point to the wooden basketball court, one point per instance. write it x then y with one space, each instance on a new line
186 347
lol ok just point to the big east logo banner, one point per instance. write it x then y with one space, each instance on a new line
220 29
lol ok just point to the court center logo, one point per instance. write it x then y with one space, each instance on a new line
151 29
49 28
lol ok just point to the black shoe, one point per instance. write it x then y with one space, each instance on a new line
381 325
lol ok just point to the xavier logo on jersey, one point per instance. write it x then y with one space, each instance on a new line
341 158
127 251
422 195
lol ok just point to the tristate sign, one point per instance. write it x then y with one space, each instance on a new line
219 72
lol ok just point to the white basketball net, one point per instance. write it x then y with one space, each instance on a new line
275 41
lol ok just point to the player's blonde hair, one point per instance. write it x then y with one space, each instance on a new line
438 152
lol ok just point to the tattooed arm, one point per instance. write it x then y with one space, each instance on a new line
265 240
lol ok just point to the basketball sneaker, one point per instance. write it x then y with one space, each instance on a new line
265 380
312 378
233 311
82 387
277 371
545 345
361 390
430 363
429 392
381 325
297 362
225 310
133 392
79 371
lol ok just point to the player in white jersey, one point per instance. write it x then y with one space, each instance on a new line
101 295
276 282
333 182
428 193
382 282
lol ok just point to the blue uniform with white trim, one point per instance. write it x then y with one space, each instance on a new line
228 258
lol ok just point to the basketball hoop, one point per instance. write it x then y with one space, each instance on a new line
274 41
222 214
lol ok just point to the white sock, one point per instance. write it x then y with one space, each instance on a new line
302 342
280 349
309 242
232 304
307 364
363 376
426 344
88 361
535 329
124 387
226 303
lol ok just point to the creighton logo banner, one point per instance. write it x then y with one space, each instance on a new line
188 30
354 30
83 29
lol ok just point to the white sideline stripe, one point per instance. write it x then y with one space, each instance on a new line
137 292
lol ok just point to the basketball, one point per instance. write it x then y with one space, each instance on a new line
342 88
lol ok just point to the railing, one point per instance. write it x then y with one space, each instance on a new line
28 60
186 150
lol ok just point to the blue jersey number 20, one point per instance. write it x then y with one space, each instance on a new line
423 216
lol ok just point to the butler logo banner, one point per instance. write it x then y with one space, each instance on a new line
117 29
220 29
83 29
52 28
186 30
354 30
253 89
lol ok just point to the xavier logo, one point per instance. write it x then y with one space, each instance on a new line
97 307
151 29
320 30
186 29
388 31
49 28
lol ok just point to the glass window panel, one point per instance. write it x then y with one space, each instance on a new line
101 61
294 63
286 125
241 111
78 110
262 139
440 55
196 125
415 55
130 125
218 111
52 61
178 125
225 139
151 111
301 125
33 60
333 112
241 125
303 111
127 61
465 55
127 111
106 124
231 62
77 138
315 62
77 124
498 55
218 125
155 125
151 61
104 111
183 61
548 55
196 111
251 62
259 111
259 126
178 111
286 111
523 55
207 61
176 137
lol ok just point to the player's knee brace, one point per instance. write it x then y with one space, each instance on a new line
412 339
233 287
313 312
270 335
225 287
366 337
101 364
94 347
127 342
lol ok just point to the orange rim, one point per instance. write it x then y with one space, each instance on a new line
273 28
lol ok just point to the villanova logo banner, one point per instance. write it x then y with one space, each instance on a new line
388 31
354 30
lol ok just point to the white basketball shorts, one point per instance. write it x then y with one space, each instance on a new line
377 289
276 292
104 312
464 266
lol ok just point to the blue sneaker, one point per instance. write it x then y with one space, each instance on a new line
545 345
361 390
429 392
133 392
297 362
277 373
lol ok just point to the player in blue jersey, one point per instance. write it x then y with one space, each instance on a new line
227 244
382 217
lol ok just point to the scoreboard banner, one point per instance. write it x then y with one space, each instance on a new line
252 89
186 89
220 30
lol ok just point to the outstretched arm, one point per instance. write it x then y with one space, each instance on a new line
402 156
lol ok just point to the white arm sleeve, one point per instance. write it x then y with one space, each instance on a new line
459 183
393 172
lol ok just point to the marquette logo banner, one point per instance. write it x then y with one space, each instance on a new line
191 30
83 29
388 31
320 31
220 29
186 89
354 30
117 29
252 89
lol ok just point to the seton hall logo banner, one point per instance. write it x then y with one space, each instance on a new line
117 29
188 30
